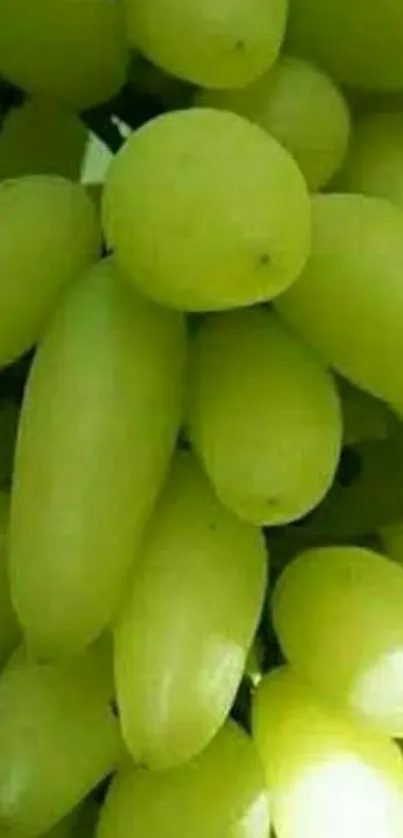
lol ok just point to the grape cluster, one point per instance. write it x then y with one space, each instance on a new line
201 405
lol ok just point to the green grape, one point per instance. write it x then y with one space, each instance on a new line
196 227
209 42
364 417
58 740
374 164
41 137
263 415
301 107
99 420
183 637
72 51
349 300
357 44
9 630
219 794
328 774
344 605
48 235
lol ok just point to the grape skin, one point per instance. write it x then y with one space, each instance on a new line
301 107
42 137
209 42
324 767
182 639
59 740
221 793
56 223
360 49
99 421
343 604
264 416
72 52
374 163
348 301
197 228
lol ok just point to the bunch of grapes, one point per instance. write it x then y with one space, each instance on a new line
201 406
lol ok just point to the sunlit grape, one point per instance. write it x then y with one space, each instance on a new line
344 605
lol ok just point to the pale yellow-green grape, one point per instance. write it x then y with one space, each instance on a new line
392 540
183 637
348 302
9 416
364 417
339 618
9 630
219 794
48 234
41 137
374 164
72 51
327 774
355 45
263 415
58 740
206 211
100 416
301 107
210 42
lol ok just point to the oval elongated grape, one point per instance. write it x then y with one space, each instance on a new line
9 629
301 107
41 137
344 605
48 235
58 740
348 302
374 164
183 637
327 773
75 52
357 48
209 42
100 416
263 415
221 792
197 228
